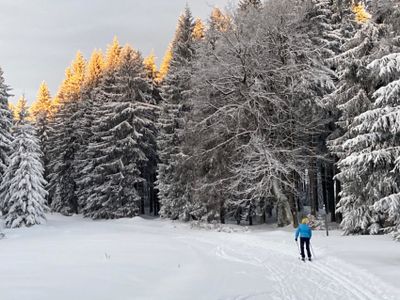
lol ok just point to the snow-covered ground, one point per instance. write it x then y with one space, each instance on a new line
75 258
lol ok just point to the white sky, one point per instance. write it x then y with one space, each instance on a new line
39 38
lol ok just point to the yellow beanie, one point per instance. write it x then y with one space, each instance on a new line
304 221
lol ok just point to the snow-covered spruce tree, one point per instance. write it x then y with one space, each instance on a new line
22 190
359 163
149 191
323 21
150 66
40 112
83 121
175 86
5 125
97 90
346 18
123 142
378 131
65 141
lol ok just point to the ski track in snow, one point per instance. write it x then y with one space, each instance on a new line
157 259
332 277
297 280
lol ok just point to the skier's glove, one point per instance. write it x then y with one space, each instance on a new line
295 240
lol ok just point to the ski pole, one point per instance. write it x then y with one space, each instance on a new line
312 250
298 247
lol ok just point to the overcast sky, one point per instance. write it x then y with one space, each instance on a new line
39 38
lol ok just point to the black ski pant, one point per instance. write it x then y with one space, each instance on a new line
306 241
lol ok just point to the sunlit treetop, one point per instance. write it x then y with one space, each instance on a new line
42 105
74 77
21 109
219 21
94 68
13 109
150 66
198 30
361 15
131 58
79 68
113 55
164 68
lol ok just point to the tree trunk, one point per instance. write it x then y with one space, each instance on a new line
313 187
293 204
331 191
293 209
324 187
154 195
222 213
283 212
316 200
263 217
338 216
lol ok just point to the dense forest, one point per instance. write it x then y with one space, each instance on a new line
258 115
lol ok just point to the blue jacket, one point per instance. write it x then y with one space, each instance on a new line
304 231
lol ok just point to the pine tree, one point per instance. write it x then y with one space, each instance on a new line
324 26
353 97
150 66
42 104
40 112
22 191
124 141
21 109
94 71
378 130
362 16
375 145
66 141
198 30
12 109
176 84
113 55
83 122
5 126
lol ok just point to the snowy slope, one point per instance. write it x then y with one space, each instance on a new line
75 258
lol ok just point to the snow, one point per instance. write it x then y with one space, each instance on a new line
76 258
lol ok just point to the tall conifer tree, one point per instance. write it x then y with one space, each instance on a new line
66 141
83 122
176 86
22 191
123 142
40 112
5 125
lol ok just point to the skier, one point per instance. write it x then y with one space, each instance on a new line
304 231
